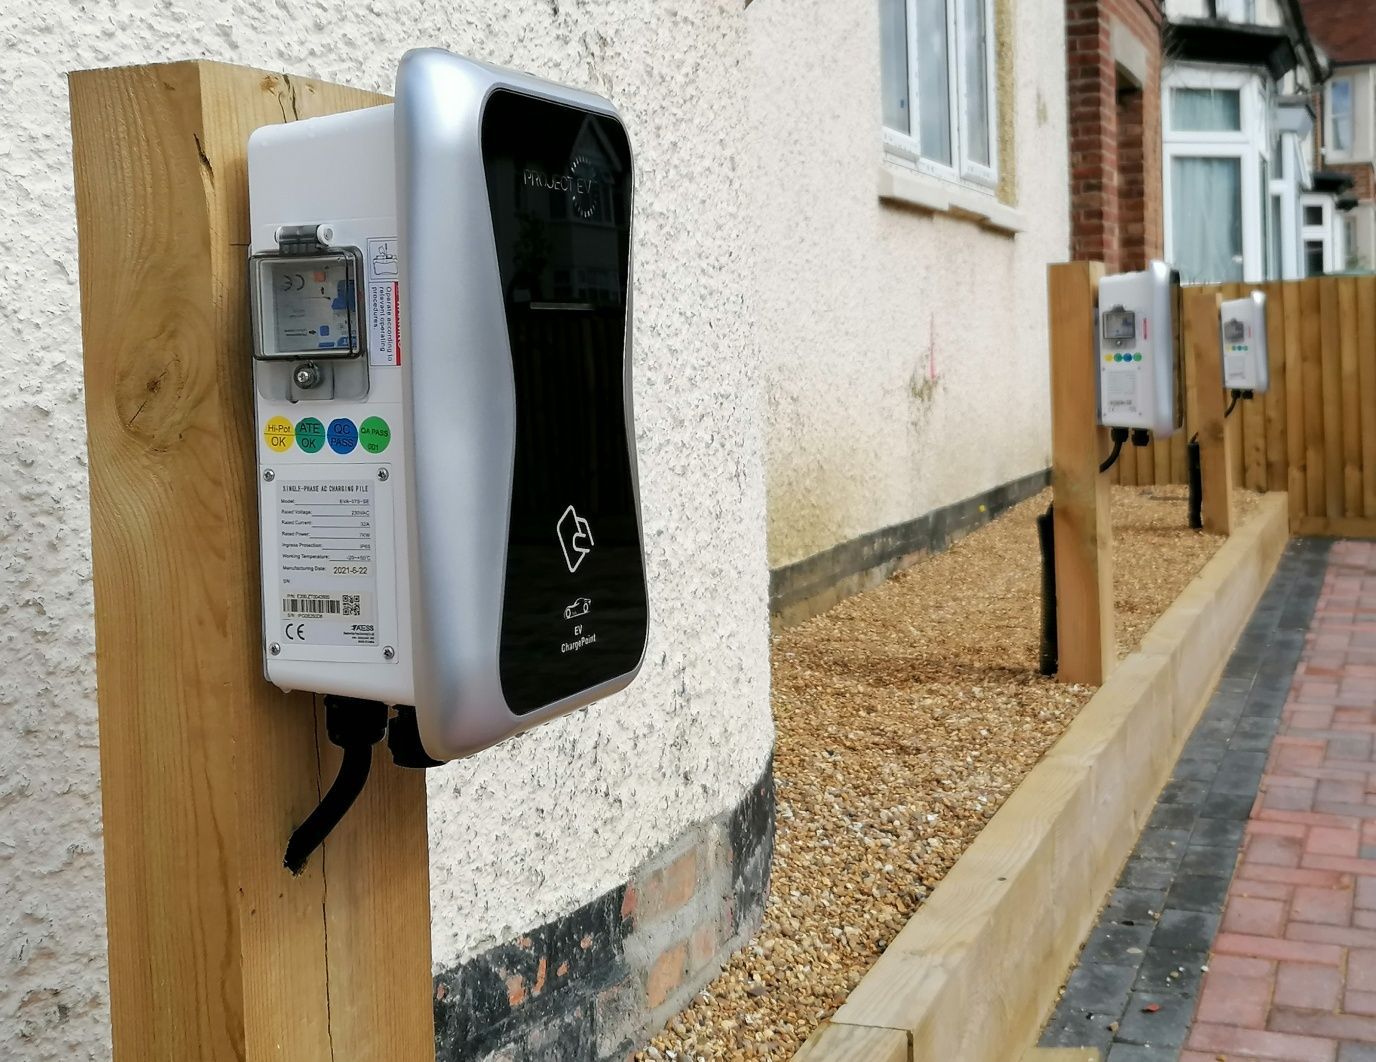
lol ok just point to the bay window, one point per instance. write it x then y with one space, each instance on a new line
1217 147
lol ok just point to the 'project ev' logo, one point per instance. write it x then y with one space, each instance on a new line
575 538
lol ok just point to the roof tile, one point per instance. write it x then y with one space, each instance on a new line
1345 29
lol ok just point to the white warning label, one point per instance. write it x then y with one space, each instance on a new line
327 562
382 306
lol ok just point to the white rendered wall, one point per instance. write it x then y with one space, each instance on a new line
906 352
525 832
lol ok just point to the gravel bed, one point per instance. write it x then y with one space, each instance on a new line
905 716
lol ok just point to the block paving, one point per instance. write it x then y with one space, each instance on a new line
1244 924
1292 973
1134 992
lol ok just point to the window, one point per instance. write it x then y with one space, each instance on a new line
1340 115
1206 110
1313 258
1320 235
937 72
1207 251
1237 10
1217 145
1275 248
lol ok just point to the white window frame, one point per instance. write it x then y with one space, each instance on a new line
1323 232
1331 150
906 148
1248 144
1238 10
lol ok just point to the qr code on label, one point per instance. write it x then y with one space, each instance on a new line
352 606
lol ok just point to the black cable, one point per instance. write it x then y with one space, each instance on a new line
355 726
1119 436
1196 484
1050 648
403 738
1227 412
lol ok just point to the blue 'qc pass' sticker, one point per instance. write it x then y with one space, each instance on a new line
343 435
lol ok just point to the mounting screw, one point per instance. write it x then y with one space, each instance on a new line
307 375
388 652
269 475
383 474
275 648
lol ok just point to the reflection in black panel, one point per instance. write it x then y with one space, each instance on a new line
559 185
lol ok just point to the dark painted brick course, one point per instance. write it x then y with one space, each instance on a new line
571 989
793 584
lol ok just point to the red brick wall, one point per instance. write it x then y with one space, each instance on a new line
1362 174
1115 138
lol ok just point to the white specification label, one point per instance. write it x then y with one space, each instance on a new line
383 304
327 558
1120 389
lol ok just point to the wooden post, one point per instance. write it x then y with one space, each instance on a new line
1080 493
215 951
1201 314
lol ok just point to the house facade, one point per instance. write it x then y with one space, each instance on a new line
1231 179
1237 131
909 161
1346 30
570 832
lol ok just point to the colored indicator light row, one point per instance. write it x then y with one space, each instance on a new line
1122 357
342 435
1237 348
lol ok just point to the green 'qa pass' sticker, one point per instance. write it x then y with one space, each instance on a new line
374 435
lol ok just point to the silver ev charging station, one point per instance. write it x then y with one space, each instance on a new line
1242 331
447 479
1138 374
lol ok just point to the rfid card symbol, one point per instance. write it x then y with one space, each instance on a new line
575 538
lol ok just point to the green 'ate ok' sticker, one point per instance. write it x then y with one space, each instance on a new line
310 435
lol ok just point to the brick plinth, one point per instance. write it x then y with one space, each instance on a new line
595 984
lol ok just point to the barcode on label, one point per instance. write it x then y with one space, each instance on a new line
322 605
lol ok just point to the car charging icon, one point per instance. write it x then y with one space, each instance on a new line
575 538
